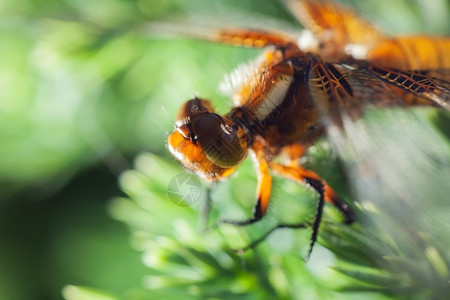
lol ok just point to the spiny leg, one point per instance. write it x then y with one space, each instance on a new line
297 173
318 186
262 238
264 188
326 193
341 205
206 211
263 197
293 153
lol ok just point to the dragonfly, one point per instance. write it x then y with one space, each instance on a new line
299 92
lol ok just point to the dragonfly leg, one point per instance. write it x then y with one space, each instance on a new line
255 243
264 187
206 211
319 187
294 171
303 176
326 193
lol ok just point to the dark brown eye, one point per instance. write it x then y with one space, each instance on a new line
223 144
191 109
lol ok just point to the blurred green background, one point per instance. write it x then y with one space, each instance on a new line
84 91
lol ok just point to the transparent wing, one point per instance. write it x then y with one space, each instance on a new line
230 28
398 166
396 161
430 85
344 91
337 27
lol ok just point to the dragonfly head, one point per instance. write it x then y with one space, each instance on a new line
206 142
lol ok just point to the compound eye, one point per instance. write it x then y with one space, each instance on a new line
224 145
191 109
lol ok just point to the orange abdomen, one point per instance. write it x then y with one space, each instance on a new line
412 53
